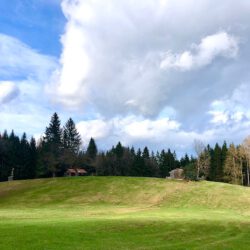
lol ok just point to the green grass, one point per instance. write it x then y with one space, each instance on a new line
123 213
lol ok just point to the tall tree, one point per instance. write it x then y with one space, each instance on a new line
203 159
32 158
215 173
233 166
246 154
52 146
71 137
92 149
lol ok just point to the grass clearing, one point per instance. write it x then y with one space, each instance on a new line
123 213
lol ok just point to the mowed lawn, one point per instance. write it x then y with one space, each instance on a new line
123 213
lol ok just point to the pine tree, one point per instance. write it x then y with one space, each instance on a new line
216 163
53 133
5 167
14 153
138 164
220 171
145 153
119 150
71 137
32 158
92 149
52 146
22 172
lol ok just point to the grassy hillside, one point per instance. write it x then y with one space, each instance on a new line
123 213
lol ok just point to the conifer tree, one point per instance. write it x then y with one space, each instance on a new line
5 168
32 158
71 137
92 149
52 146
216 163
145 153
119 150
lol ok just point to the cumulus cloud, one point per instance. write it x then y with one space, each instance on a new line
118 61
131 130
8 91
157 72
232 109
219 44
23 73
156 133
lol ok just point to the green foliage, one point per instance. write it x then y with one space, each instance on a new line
59 149
190 171
92 149
167 162
71 137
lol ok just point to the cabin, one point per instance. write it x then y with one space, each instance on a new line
177 173
76 172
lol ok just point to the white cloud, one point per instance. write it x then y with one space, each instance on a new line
110 67
232 109
97 129
18 60
211 47
8 91
113 54
23 73
158 134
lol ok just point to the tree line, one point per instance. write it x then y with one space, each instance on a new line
60 148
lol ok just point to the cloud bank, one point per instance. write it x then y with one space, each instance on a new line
138 66
149 72
23 74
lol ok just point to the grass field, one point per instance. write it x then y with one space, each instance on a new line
123 213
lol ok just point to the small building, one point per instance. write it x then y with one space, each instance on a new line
76 172
177 173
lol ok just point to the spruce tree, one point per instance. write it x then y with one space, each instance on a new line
220 171
5 168
71 137
52 146
145 153
92 149
216 164
119 150
32 158
53 133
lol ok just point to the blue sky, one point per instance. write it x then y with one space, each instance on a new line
142 72
37 23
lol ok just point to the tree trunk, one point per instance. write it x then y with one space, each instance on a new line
247 173
198 169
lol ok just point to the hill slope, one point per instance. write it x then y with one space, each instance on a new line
126 191
123 213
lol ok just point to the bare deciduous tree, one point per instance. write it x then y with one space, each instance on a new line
245 148
233 166
203 159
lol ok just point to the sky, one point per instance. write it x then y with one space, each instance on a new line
160 73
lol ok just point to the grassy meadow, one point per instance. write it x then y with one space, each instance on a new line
123 213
